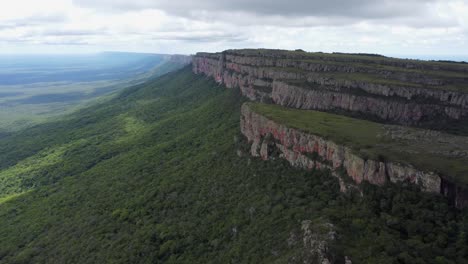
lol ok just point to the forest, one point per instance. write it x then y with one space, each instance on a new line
161 174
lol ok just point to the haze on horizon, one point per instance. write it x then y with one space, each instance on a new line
430 29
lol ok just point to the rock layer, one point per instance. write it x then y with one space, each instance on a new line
309 151
398 91
406 92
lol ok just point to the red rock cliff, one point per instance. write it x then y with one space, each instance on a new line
399 91
309 151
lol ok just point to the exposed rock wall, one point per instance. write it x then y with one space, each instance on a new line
397 95
328 100
400 91
280 57
309 151
315 241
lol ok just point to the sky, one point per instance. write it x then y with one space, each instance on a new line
412 28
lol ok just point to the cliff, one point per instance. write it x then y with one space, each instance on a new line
305 150
405 92
399 91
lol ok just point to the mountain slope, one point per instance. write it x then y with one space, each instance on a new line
160 174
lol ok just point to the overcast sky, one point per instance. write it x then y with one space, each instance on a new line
391 27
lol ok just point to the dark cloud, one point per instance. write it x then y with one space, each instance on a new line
188 26
368 9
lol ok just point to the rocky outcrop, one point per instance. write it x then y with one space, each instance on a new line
309 151
399 91
378 106
314 240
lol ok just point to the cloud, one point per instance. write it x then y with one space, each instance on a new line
33 20
66 43
385 26
69 32
302 8
201 37
292 13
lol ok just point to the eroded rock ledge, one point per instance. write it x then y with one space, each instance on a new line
398 91
309 151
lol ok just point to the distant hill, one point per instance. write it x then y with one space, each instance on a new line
28 69
36 87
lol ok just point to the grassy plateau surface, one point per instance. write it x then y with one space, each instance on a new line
371 68
427 150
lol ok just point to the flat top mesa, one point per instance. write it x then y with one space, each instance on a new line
416 111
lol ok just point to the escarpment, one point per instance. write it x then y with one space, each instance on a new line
393 92
398 91
271 139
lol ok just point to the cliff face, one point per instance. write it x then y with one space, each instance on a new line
399 91
310 151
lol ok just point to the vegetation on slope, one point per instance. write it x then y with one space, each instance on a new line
153 176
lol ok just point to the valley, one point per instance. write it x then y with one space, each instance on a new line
35 88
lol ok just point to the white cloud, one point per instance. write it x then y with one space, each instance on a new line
388 27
